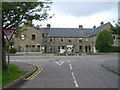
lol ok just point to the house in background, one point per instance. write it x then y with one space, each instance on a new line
58 40
29 40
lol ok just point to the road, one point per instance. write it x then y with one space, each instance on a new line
70 72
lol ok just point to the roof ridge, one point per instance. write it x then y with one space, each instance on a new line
100 27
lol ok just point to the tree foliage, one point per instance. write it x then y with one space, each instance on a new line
116 29
104 39
16 13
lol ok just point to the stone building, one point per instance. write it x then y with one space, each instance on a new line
29 40
59 40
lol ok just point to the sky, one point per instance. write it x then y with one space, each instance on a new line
71 14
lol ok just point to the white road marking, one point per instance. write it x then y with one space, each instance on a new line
26 60
69 61
70 66
73 76
76 84
59 63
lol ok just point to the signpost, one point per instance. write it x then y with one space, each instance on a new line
8 34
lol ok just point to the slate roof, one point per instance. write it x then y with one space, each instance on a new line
98 29
72 32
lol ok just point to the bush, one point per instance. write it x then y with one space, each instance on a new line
104 38
89 53
110 49
56 54
13 50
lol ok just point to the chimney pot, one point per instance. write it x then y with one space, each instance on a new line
102 23
81 26
94 26
48 25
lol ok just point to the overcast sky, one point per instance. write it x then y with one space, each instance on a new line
88 14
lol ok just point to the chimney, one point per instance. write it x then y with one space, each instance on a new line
102 23
94 26
48 25
81 26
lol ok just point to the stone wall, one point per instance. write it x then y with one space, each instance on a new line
26 43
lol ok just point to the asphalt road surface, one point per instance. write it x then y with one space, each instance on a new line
70 72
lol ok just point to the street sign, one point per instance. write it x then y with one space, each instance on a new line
8 33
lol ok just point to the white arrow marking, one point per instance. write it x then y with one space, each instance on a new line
59 63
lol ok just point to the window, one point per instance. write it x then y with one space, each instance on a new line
69 39
45 39
38 46
50 48
80 41
63 47
113 37
33 46
33 37
50 39
62 39
80 47
80 38
86 39
26 46
22 37
58 47
118 38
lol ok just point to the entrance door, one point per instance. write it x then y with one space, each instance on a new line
69 48
45 49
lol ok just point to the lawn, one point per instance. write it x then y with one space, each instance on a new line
14 74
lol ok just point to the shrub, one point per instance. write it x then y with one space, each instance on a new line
56 54
110 49
89 53
104 39
13 50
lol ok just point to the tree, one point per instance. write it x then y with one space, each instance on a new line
116 29
104 39
15 14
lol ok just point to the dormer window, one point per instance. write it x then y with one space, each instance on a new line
62 39
80 39
86 39
51 39
69 40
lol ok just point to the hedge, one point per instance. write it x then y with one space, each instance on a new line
110 49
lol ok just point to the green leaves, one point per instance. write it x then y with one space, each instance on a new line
104 39
116 29
14 13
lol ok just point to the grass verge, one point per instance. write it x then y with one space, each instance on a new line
14 74
56 54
